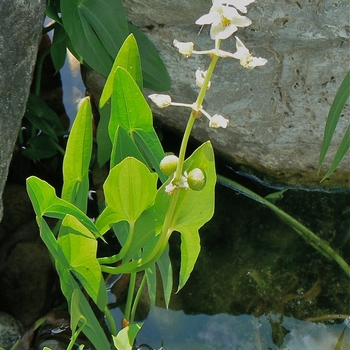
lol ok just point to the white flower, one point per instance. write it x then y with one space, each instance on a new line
161 101
245 57
240 5
218 121
224 21
184 48
200 76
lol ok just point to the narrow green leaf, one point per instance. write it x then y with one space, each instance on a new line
92 329
80 247
77 158
333 116
126 337
58 48
128 58
166 272
46 203
104 143
151 277
343 148
155 74
75 313
124 147
97 29
51 243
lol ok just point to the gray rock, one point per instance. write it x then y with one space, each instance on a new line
277 112
10 331
20 31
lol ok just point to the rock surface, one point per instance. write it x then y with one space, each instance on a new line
10 331
20 28
277 112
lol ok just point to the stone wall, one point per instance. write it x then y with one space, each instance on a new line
277 112
20 31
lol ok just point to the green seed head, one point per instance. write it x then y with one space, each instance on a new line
168 164
196 179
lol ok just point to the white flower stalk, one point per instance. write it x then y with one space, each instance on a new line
245 57
224 21
184 48
218 121
161 101
200 76
240 5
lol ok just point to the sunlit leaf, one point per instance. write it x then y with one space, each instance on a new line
128 58
46 203
77 158
80 247
129 189
126 337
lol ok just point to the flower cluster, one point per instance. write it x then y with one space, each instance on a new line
224 20
163 101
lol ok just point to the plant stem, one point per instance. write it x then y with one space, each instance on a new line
308 235
137 298
130 296
111 322
39 69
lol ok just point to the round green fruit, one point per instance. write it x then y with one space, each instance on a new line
168 164
196 179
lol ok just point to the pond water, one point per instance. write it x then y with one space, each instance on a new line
257 283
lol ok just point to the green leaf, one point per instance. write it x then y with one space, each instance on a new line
46 203
343 148
52 10
155 74
129 189
92 329
75 313
151 277
275 196
166 272
58 48
124 147
77 158
97 29
51 243
128 58
40 147
333 116
131 111
104 143
79 247
126 337
38 107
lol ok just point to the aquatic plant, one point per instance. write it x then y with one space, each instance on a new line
332 120
141 215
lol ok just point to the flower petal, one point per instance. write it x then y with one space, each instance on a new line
218 121
161 101
184 48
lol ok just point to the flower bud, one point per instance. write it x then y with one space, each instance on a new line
168 164
196 179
